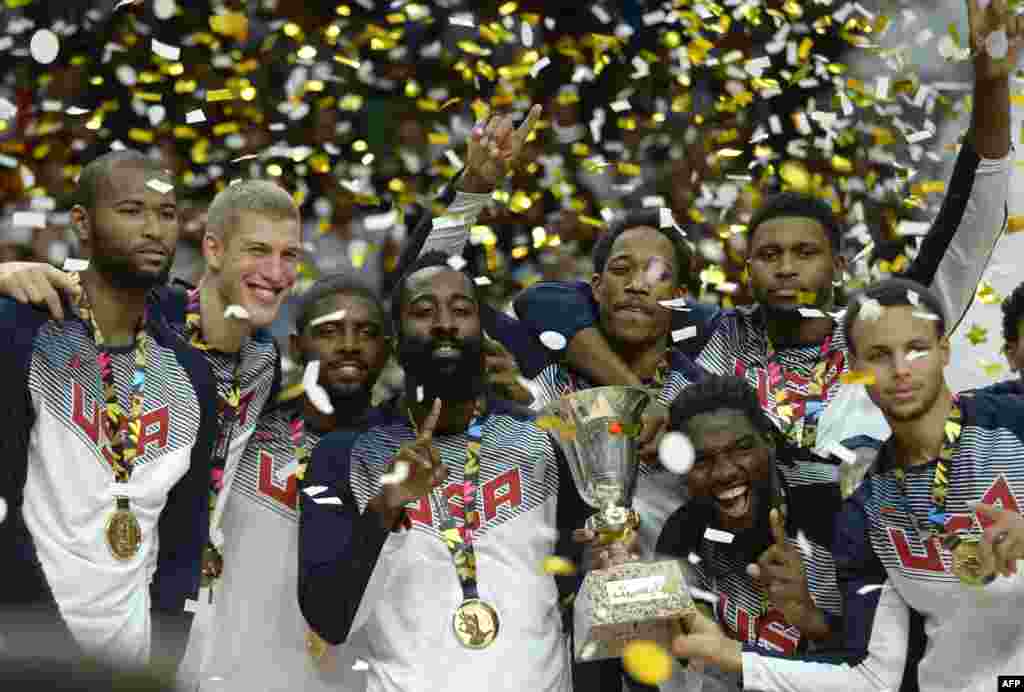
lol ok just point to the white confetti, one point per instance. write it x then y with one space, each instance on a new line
870 310
159 185
29 219
195 116
914 298
398 475
465 20
336 316
926 316
236 312
315 490
123 3
694 559
675 304
553 340
456 262
804 545
164 9
44 46
919 136
676 453
419 394
997 45
917 355
75 110
718 536
3 510
442 222
360 665
482 281
665 218
882 88
619 106
328 500
684 333
75 265
539 65
601 14
166 51
865 590
314 392
811 312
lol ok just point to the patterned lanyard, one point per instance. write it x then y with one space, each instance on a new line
803 430
230 405
462 549
298 433
122 456
940 484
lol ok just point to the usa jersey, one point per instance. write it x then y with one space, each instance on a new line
402 589
813 502
61 488
261 556
901 600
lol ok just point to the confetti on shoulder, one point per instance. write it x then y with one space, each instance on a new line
558 566
72 264
718 536
857 377
236 312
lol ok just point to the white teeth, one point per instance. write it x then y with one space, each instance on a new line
732 494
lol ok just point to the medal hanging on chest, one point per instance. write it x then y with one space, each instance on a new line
965 549
122 532
475 622
213 563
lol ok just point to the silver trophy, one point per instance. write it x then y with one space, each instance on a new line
596 430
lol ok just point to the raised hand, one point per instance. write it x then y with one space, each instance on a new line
414 472
781 569
495 147
986 18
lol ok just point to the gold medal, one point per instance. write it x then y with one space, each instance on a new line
124 535
475 624
967 561
318 649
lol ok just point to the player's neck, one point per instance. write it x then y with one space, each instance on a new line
455 415
919 441
221 333
117 310
795 330
643 359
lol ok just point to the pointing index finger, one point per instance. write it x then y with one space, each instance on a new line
778 524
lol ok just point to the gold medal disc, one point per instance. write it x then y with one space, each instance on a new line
967 562
475 624
124 535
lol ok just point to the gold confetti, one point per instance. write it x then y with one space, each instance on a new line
977 334
558 566
1015 223
219 95
857 377
646 662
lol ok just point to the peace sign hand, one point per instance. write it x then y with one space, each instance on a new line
495 147
987 18
414 472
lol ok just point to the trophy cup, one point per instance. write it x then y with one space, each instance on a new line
596 430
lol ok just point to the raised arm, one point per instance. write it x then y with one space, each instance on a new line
958 247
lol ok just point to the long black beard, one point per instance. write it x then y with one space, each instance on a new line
123 275
461 380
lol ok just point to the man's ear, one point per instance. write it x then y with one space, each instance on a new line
81 224
595 281
213 250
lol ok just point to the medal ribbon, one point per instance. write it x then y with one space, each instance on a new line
462 550
803 430
116 425
940 484
229 405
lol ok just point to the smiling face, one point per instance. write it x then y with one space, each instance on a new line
441 339
349 342
907 358
640 271
133 230
790 256
731 468
256 263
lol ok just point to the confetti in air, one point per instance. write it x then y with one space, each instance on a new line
553 340
159 185
870 310
316 394
336 316
718 536
75 265
676 453
3 510
398 475
558 566
236 312
805 545
647 662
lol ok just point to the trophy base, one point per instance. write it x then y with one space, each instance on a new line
639 600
